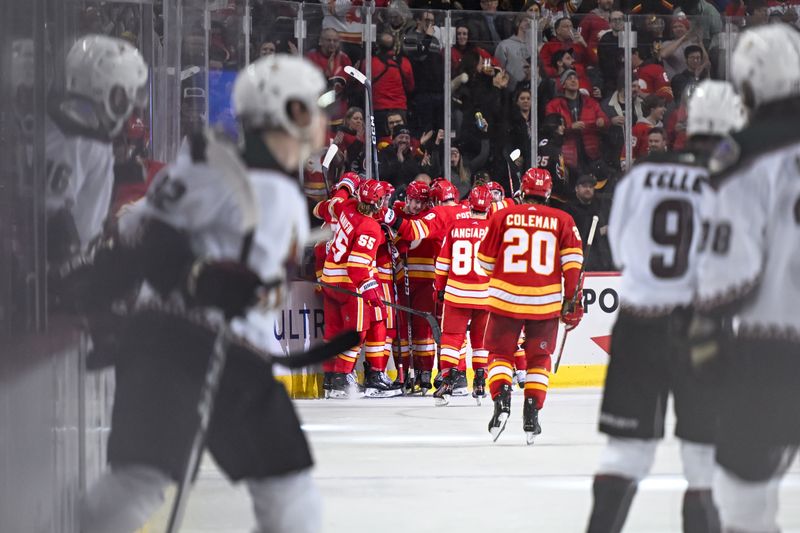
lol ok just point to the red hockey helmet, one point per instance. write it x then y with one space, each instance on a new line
495 187
388 188
418 190
536 182
443 191
350 181
371 192
480 198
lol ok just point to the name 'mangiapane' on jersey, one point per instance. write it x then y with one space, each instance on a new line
526 251
458 271
752 260
655 231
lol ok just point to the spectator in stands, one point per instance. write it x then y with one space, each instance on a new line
584 122
519 125
392 81
705 16
565 38
512 53
546 89
462 167
397 20
610 57
583 208
550 156
464 44
478 88
672 51
350 138
553 10
345 16
652 78
327 56
650 7
267 48
486 28
653 33
696 70
423 50
653 108
564 60
757 13
400 163
656 140
615 108
593 25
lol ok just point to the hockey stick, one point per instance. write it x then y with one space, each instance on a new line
396 343
436 329
326 165
407 289
512 157
578 289
361 78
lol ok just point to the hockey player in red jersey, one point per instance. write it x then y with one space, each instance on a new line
350 264
462 286
499 201
528 250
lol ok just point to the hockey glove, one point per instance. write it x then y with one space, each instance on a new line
391 219
226 285
571 314
707 341
372 296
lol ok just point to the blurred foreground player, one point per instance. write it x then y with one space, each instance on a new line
750 272
527 251
462 287
186 242
656 232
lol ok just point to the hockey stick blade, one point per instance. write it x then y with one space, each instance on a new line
589 241
323 352
356 74
329 155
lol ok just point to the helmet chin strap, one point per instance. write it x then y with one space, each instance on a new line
89 115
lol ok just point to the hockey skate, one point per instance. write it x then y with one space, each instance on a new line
437 381
423 381
326 384
445 390
340 388
519 378
530 420
479 385
460 383
502 410
378 385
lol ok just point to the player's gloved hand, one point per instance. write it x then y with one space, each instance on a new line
707 337
390 218
225 284
369 290
440 295
571 314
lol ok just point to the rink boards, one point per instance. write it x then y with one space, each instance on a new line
300 324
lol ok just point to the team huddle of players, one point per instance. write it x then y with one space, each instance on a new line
487 266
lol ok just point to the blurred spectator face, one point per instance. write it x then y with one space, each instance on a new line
694 61
455 156
424 178
402 141
617 20
393 120
679 29
267 49
356 121
656 142
425 21
572 84
462 36
605 5
658 112
489 5
386 42
534 10
760 16
655 25
564 30
524 101
328 42
566 62
584 192
524 26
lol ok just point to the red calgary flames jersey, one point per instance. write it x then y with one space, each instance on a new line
422 254
502 204
458 272
526 250
351 257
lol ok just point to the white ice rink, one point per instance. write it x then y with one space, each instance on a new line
403 465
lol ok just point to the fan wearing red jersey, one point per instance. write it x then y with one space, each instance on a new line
462 285
350 264
527 251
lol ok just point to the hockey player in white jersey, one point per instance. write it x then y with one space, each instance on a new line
183 240
106 80
748 279
655 232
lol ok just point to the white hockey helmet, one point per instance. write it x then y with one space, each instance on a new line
766 64
109 72
264 90
714 108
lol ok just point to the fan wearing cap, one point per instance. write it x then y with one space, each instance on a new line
583 207
529 251
462 287
564 60
564 38
584 119
401 163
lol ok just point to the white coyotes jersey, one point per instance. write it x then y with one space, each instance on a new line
655 230
755 246
80 178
